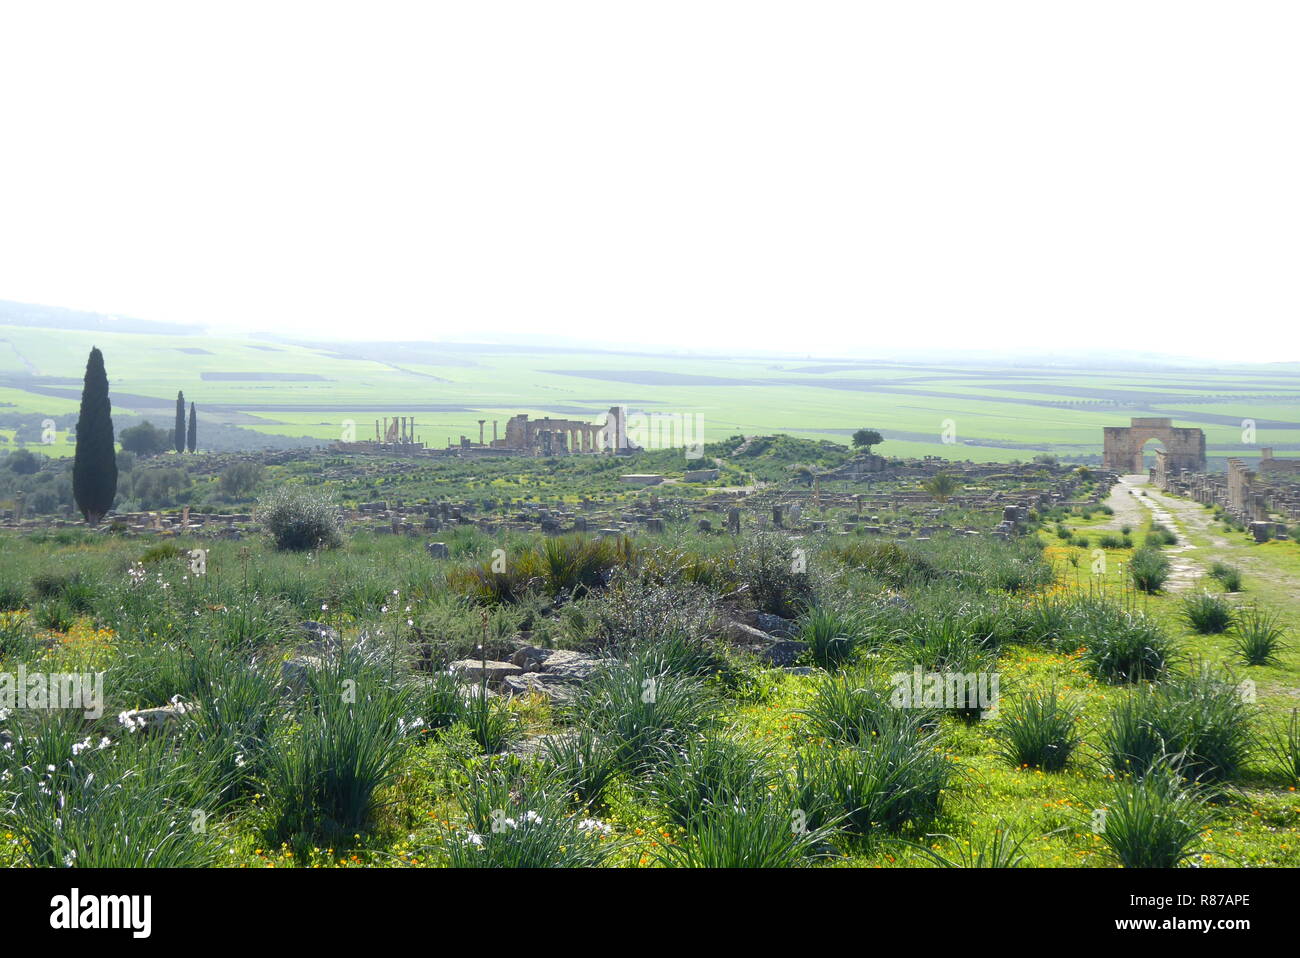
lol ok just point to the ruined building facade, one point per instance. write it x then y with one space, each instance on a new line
564 437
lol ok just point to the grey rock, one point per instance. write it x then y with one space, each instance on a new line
318 638
477 670
530 658
294 671
558 689
783 652
775 625
747 635
573 666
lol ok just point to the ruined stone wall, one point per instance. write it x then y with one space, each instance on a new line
558 437
1267 464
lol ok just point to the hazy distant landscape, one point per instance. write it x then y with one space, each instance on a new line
258 392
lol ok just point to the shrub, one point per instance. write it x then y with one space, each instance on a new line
1257 636
759 834
854 708
125 804
12 596
1155 821
1159 535
665 565
490 722
1003 847
1284 747
585 763
55 616
1110 540
518 818
162 552
890 562
298 519
55 584
710 772
1206 613
896 780
242 479
832 635
1201 719
1229 576
1040 730
632 613
1122 646
640 712
768 565
573 564
1149 570
322 778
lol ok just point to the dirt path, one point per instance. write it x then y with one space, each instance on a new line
1186 563
1200 541
1124 501
1191 516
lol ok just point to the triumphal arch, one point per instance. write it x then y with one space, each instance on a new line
1122 451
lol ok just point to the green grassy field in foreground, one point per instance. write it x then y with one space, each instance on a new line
400 769
952 410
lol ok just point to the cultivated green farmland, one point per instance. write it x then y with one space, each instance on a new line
995 412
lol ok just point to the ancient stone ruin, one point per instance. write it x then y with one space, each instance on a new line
562 437
524 436
1263 504
1122 446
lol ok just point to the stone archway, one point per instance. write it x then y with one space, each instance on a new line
1151 450
1122 446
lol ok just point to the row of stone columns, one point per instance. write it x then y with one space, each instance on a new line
579 438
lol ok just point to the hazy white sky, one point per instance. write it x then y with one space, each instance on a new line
799 175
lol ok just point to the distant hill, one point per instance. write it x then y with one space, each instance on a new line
55 317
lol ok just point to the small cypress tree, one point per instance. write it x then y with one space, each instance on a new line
179 435
94 466
192 437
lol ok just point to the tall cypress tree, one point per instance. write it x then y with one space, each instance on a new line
94 468
179 435
192 437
